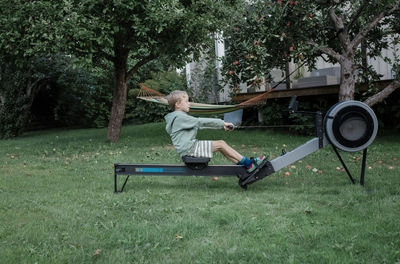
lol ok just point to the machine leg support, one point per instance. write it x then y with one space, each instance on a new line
123 186
363 164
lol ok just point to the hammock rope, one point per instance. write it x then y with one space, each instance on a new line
150 95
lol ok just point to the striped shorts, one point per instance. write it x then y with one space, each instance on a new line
202 148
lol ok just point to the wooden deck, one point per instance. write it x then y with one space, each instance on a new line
309 91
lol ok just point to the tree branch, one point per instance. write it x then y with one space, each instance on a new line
357 14
140 64
326 50
379 97
363 33
106 56
342 32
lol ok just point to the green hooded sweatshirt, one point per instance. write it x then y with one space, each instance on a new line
183 129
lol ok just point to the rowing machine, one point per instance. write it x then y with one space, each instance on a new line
350 126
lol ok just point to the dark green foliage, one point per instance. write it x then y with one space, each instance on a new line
98 105
276 113
54 90
14 104
13 112
388 112
71 84
98 100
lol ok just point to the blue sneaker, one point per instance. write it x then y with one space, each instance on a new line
258 161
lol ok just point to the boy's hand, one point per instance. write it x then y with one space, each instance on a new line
228 126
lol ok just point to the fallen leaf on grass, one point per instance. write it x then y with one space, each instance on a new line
178 237
308 212
169 147
97 252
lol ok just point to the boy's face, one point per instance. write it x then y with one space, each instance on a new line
183 104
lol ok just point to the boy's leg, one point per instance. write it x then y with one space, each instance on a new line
227 151
234 156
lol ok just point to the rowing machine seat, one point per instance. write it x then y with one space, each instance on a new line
189 159
195 163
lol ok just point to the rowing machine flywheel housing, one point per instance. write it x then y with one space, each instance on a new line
351 125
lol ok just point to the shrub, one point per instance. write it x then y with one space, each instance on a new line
14 104
14 115
276 113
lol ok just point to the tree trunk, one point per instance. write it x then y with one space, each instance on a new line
287 74
364 54
2 99
119 99
347 80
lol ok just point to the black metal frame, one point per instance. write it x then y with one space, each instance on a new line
363 164
201 169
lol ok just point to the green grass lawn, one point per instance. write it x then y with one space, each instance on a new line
57 203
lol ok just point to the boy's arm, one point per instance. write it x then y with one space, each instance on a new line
188 122
204 123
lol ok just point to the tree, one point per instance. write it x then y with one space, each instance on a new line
133 33
127 33
306 29
26 34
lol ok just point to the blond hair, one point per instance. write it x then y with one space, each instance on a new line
174 97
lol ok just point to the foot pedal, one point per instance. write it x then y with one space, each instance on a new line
252 177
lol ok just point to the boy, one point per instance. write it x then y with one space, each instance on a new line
183 130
